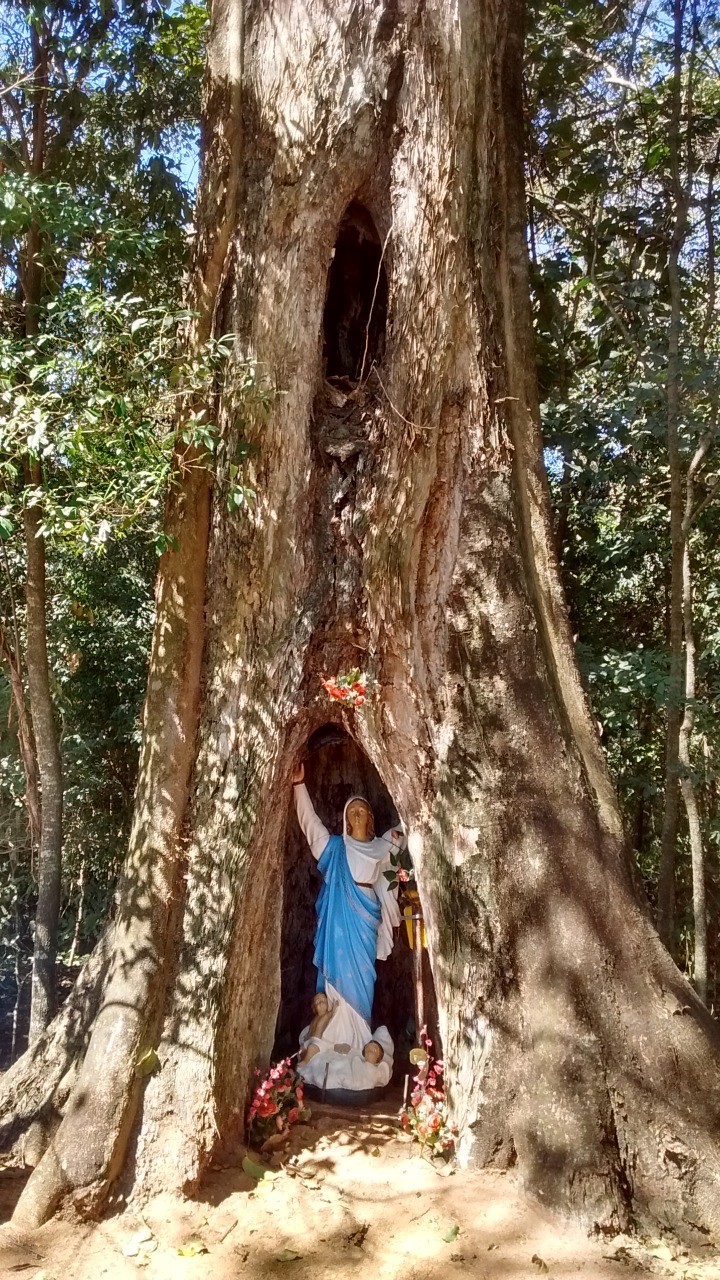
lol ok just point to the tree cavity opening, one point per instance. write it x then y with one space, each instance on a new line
335 769
357 298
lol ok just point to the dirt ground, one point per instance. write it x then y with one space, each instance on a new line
349 1197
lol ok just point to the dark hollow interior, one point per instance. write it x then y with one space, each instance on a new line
354 324
335 769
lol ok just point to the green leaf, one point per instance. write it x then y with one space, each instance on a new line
255 1170
288 1255
451 1234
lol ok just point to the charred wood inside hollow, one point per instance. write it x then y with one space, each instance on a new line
357 298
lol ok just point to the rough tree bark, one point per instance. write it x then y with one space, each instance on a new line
401 525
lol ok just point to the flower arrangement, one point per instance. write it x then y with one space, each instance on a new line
277 1102
354 688
425 1115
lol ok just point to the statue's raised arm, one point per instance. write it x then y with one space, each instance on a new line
315 832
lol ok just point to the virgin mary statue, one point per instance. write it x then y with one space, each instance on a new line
356 912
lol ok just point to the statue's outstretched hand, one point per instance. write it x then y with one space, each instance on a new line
298 774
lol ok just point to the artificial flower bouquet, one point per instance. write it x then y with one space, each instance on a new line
277 1103
425 1115
353 688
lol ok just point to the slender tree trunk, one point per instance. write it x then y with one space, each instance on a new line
47 744
675 702
402 525
697 853
49 866
26 744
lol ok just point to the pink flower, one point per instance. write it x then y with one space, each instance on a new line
403 875
293 1115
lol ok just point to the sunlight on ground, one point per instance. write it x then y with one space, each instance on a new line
350 1196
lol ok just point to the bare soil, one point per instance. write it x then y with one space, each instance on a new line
350 1195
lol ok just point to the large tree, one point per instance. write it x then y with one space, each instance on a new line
361 231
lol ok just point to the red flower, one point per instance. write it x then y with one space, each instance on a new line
403 875
268 1107
293 1115
299 1092
357 687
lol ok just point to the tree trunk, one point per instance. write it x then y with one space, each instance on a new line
26 745
45 731
680 200
697 853
401 525
49 866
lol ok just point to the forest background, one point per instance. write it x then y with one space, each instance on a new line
99 105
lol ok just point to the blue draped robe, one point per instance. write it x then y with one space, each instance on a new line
346 935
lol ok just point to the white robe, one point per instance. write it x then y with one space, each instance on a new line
367 859
347 1070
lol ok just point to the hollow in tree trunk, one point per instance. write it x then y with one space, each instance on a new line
401 525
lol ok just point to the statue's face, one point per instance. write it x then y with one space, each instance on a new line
320 1004
373 1052
360 822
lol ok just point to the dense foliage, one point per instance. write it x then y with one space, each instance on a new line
93 229
622 170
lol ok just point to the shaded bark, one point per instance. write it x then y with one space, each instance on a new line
401 525
37 1086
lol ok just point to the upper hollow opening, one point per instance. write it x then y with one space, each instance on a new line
336 768
357 299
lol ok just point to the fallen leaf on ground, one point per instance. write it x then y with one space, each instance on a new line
375 1151
358 1237
451 1234
287 1255
137 1240
262 1188
255 1170
192 1249
662 1252
493 1246
539 1263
